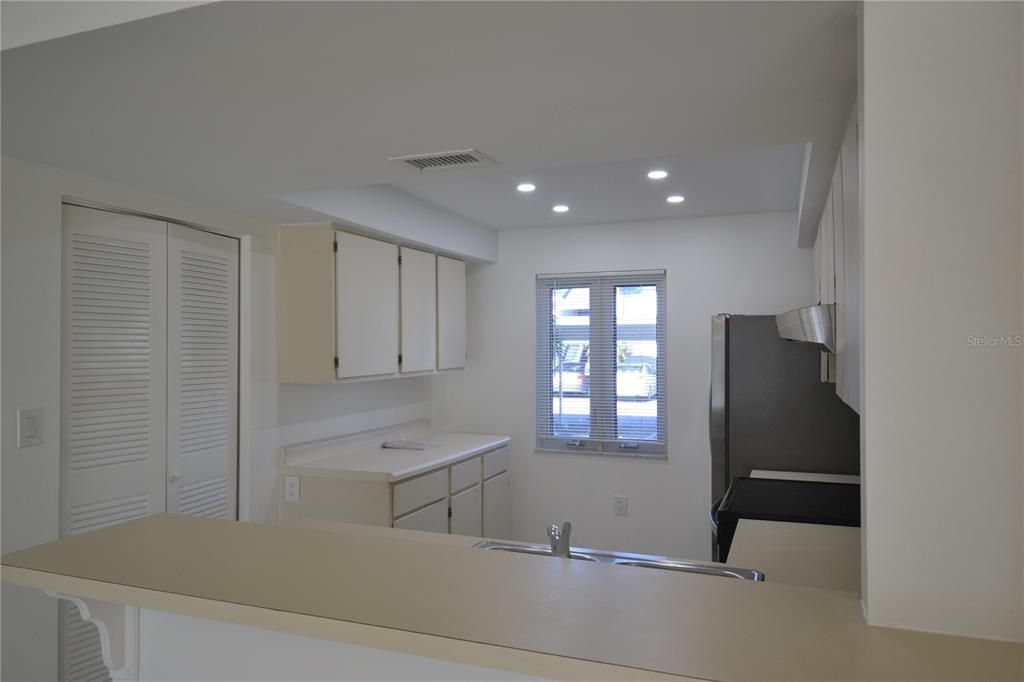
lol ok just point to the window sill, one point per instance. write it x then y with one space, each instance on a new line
604 453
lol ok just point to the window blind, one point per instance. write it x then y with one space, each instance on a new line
601 363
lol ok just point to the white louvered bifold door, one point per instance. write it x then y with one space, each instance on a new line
202 373
114 389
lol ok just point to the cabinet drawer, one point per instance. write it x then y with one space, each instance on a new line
495 462
416 492
465 474
433 518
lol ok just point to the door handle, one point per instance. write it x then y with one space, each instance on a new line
174 475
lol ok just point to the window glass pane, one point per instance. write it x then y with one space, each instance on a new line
570 354
636 362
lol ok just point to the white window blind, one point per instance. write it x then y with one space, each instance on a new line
601 363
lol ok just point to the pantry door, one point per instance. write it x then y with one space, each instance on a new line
114 376
202 373
113 392
149 384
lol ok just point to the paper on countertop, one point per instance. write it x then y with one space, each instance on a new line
404 444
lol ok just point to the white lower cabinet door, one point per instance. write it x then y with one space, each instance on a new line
202 373
467 512
433 518
498 507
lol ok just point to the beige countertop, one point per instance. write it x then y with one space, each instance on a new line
380 588
366 460
809 554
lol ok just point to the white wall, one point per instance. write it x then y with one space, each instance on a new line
943 215
738 264
314 412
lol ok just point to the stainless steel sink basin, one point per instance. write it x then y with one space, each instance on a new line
544 551
628 559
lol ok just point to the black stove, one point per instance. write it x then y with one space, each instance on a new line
768 499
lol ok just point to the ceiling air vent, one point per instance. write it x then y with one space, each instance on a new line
457 158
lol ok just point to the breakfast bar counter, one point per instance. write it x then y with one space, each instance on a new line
437 597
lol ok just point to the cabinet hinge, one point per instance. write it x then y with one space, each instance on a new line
449 512
399 358
399 260
336 364
335 247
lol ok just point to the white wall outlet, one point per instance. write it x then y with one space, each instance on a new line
30 427
621 505
291 488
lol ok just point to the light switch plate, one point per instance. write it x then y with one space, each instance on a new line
30 427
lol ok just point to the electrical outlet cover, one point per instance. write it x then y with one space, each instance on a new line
291 488
621 505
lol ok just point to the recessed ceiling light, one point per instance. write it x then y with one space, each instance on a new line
657 174
560 208
526 187
676 199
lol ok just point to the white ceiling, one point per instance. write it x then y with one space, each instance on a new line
746 181
31 21
236 104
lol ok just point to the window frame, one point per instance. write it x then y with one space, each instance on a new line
602 337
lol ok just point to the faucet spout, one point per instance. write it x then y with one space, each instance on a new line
559 538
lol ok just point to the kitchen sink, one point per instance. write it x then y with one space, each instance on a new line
530 549
629 559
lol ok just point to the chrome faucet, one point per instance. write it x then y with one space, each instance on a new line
559 538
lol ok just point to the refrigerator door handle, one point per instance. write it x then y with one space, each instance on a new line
717 406
713 514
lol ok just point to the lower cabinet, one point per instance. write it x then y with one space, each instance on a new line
470 497
433 518
467 512
498 507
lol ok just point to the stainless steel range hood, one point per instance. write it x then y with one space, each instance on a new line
813 324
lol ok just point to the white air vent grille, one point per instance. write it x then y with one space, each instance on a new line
457 158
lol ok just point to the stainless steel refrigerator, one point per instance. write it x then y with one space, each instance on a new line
769 407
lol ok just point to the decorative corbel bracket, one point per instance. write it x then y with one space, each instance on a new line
118 627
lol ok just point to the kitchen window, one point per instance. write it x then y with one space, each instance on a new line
601 363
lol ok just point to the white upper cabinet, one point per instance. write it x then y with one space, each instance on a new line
849 314
352 308
839 269
451 313
418 310
366 280
825 250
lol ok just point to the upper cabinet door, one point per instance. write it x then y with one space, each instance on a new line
366 280
827 267
849 386
202 373
451 313
419 310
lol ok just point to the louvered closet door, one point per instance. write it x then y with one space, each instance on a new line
114 389
202 373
